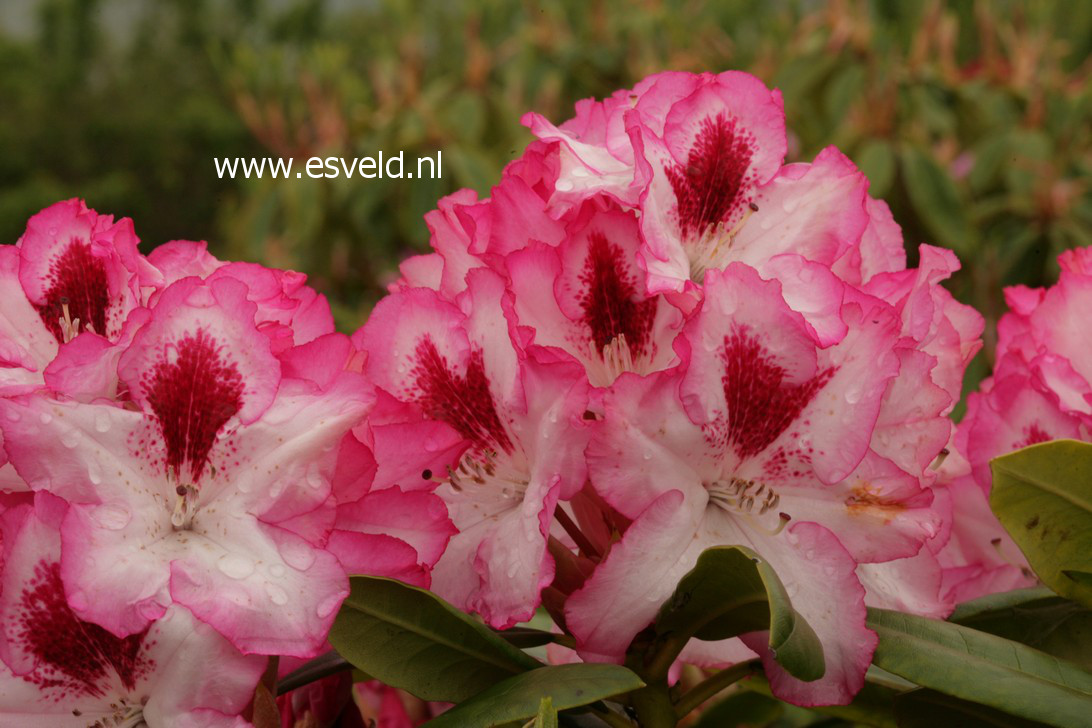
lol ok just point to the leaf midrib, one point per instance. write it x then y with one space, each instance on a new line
1045 487
925 646
509 666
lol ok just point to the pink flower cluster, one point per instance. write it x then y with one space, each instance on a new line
189 481
1041 389
656 337
652 338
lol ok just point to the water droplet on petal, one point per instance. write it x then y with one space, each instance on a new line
46 418
78 600
315 479
112 516
276 571
70 439
513 569
809 554
297 554
276 595
828 570
102 422
327 606
94 474
235 566
563 185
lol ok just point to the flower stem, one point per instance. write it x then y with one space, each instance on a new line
713 685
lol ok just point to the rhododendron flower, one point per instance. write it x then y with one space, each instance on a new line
519 422
289 312
586 298
72 271
701 156
60 670
206 490
761 438
1041 389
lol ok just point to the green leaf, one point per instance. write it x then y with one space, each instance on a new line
520 697
937 201
732 590
1043 497
872 706
1035 617
740 709
411 639
924 708
547 714
982 668
524 637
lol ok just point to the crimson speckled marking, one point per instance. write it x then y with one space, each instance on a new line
464 402
610 300
74 658
192 397
761 405
77 278
711 186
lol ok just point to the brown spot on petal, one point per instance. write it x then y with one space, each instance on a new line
865 500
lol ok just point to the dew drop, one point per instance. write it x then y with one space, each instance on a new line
102 422
564 185
853 395
276 571
809 554
45 418
78 600
94 474
315 479
70 439
828 570
235 566
298 555
513 569
112 516
327 606
276 595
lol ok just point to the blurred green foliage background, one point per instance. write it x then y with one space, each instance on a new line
972 119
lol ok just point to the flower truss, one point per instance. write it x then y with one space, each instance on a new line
735 343
193 428
652 339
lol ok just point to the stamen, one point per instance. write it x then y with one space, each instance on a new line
740 496
70 327
706 251
185 507
940 458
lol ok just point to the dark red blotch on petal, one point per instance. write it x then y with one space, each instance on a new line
1035 435
74 658
761 405
77 278
611 303
713 183
193 390
462 401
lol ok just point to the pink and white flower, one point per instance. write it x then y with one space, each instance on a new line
520 437
61 670
72 271
761 438
206 491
